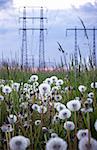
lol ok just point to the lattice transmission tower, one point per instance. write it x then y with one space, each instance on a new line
24 49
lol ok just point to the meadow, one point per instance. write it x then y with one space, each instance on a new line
52 110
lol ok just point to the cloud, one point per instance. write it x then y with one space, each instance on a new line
5 3
58 21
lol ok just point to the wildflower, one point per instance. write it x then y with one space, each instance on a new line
54 79
94 85
91 95
12 119
37 122
35 107
6 128
44 129
54 89
6 89
65 113
89 100
33 78
42 109
74 105
19 143
82 133
59 82
58 97
24 105
1 98
53 135
85 110
69 125
35 84
95 125
15 86
44 89
60 107
48 81
55 119
56 144
68 88
84 144
82 88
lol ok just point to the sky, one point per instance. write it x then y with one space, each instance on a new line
61 14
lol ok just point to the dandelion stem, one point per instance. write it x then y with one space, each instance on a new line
7 140
75 120
45 137
69 142
88 121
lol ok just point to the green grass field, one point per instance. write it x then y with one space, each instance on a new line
20 103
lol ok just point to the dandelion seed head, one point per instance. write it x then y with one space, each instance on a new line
37 122
89 100
94 85
34 78
35 107
91 95
82 133
95 125
19 143
82 88
6 89
15 86
6 128
53 135
55 119
69 125
59 82
54 79
74 105
12 119
1 98
44 88
60 107
58 97
65 113
84 144
56 144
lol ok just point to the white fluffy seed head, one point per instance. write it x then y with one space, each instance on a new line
6 89
65 113
94 85
60 107
12 119
15 86
59 82
58 97
69 125
84 144
82 133
91 95
19 143
44 88
74 105
33 78
53 135
95 125
82 88
56 144
54 79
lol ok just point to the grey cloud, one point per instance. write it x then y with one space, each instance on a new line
87 8
5 4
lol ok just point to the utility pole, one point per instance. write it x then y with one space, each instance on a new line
41 41
94 44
